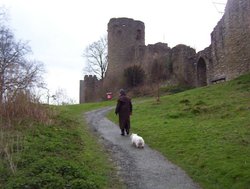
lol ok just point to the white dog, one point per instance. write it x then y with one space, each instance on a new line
137 140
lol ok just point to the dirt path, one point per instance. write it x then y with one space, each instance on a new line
139 168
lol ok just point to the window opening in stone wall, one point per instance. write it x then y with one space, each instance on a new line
138 35
201 73
119 32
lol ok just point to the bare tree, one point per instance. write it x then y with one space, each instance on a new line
3 15
61 98
19 78
16 72
96 55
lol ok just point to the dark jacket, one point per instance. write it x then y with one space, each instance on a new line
124 109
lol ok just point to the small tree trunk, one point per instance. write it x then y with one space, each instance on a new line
158 93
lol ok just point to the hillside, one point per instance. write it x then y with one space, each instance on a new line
206 131
63 154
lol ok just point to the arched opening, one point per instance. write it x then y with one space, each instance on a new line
201 73
138 35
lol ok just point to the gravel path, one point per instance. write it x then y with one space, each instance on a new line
138 168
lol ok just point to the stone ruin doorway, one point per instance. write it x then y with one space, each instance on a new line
201 73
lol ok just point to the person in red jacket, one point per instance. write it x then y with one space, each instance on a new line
124 110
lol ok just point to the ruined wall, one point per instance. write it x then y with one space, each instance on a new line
183 58
152 52
89 89
81 92
204 70
178 61
126 47
230 42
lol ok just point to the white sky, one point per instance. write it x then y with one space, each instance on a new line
58 31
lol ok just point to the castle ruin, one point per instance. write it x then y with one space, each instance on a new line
226 58
88 89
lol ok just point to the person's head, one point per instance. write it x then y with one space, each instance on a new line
122 92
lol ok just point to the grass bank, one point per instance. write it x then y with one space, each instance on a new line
206 131
61 155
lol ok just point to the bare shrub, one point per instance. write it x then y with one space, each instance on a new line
24 106
22 111
18 76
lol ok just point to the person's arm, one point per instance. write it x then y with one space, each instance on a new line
131 107
117 109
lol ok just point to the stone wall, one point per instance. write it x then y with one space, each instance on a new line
178 62
126 47
183 59
81 92
203 67
230 42
152 52
89 89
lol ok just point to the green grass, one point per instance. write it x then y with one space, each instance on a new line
206 131
62 155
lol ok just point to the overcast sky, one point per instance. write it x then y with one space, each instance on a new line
58 31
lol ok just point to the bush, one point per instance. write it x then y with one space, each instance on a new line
23 107
52 172
134 76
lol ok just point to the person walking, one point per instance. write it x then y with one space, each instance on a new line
124 110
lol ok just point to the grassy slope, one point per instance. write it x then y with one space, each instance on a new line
206 131
62 155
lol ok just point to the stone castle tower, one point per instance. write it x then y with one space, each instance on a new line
88 89
227 57
124 36
126 47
